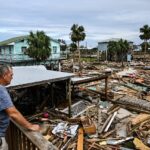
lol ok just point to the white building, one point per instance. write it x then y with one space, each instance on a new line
102 45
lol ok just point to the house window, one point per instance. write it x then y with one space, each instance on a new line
23 49
10 51
22 40
54 49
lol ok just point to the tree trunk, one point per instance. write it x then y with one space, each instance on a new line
122 58
79 61
79 52
145 46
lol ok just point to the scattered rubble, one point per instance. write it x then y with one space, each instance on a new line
120 122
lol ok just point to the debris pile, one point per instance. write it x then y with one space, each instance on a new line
98 127
118 121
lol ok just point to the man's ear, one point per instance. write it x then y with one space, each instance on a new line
4 76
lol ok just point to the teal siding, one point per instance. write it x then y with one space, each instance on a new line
55 49
6 50
16 49
19 45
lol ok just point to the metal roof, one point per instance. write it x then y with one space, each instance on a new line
25 76
19 38
12 40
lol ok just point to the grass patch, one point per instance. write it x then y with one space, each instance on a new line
89 59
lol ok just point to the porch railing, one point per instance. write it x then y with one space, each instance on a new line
19 57
21 139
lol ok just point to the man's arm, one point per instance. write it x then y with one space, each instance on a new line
14 114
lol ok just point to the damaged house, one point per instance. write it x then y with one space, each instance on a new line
13 51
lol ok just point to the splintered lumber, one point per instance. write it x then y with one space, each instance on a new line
105 135
67 143
93 145
99 115
134 103
113 109
80 139
111 120
105 123
140 118
88 125
140 145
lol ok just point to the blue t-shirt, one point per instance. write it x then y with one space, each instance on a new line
5 102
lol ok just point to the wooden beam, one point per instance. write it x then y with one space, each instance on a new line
69 98
80 139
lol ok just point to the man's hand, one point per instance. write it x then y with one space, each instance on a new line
34 127
14 114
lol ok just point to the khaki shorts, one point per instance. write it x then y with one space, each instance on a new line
3 144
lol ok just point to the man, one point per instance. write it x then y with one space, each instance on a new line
129 57
7 109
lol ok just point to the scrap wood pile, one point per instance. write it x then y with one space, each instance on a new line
134 134
98 127
67 65
131 82
122 123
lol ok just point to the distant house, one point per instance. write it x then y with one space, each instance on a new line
102 45
137 48
13 51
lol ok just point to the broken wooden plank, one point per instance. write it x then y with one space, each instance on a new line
105 123
115 108
140 118
111 120
80 139
140 145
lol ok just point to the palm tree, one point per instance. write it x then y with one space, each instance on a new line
143 46
77 34
63 45
73 48
39 46
145 35
124 47
112 50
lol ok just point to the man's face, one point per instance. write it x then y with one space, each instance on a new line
8 76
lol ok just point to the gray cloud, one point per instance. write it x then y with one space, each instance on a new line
102 19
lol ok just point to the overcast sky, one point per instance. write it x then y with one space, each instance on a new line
102 19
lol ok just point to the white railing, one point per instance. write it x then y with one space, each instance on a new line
14 57
17 57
